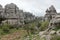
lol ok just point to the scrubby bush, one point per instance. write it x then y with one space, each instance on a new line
44 25
31 28
57 28
56 37
5 28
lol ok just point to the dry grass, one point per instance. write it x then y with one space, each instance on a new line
16 35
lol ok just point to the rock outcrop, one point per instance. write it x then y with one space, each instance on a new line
14 15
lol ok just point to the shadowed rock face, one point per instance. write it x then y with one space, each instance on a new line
50 13
11 11
52 8
1 10
28 16
2 18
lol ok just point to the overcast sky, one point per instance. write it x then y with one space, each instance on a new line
37 7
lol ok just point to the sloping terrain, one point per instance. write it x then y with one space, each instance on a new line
16 35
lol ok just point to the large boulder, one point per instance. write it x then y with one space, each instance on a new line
58 32
52 32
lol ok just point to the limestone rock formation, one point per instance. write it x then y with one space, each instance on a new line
14 15
50 13
52 16
1 10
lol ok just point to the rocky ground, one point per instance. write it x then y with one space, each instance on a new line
22 35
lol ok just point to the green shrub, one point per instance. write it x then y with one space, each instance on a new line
5 28
56 37
57 28
44 25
